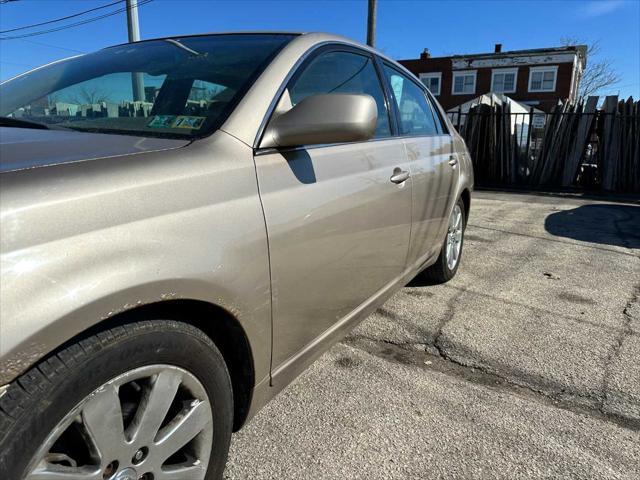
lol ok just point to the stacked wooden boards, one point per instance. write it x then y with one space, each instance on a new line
575 147
620 150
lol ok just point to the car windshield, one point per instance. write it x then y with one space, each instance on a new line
178 87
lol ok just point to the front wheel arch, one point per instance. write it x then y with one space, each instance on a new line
214 321
39 407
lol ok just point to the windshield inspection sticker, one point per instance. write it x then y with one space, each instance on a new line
162 121
184 121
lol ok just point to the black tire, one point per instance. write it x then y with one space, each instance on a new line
440 272
35 402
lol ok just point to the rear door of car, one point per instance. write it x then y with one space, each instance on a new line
338 227
432 164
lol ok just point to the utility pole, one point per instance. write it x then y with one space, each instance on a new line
371 23
133 28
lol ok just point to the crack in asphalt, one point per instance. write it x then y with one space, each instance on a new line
527 382
432 354
408 353
625 333
535 310
447 317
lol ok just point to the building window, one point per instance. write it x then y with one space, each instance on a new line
504 80
432 81
464 83
543 79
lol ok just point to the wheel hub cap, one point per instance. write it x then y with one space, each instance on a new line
127 474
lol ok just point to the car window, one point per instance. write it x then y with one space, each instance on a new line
103 97
342 72
178 87
416 117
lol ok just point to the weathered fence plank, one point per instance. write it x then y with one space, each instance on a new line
579 146
609 143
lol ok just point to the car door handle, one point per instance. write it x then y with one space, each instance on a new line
399 176
453 160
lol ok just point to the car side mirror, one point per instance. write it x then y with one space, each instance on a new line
321 119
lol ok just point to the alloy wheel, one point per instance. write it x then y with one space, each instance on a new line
151 423
454 238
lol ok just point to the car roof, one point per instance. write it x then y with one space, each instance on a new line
213 34
312 37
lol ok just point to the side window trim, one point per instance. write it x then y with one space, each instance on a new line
436 120
437 113
392 106
392 97
299 68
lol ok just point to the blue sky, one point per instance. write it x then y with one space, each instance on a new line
404 27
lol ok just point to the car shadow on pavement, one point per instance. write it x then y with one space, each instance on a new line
608 224
421 281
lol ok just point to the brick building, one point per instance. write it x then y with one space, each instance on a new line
539 77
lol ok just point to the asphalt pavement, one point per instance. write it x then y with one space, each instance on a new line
525 365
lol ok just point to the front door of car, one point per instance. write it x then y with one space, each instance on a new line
433 166
338 227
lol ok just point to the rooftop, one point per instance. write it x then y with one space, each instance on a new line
498 53
532 51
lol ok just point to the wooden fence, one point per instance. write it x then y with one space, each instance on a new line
574 147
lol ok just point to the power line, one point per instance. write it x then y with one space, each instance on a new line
76 24
44 44
17 64
61 18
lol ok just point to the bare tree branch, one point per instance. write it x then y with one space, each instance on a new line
598 74
88 95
